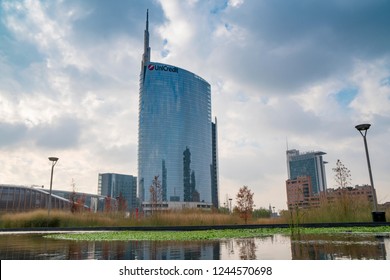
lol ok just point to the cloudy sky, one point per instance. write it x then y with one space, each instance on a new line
299 73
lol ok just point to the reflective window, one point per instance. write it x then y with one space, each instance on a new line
175 134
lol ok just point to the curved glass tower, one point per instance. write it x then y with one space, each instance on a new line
175 133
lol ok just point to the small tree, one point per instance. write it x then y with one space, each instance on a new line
122 203
73 198
80 203
245 203
342 175
107 204
155 193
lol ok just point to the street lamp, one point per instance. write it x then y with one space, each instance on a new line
377 216
53 162
362 128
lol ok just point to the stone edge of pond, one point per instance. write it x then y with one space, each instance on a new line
188 228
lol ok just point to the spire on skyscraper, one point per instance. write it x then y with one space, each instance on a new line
146 55
147 19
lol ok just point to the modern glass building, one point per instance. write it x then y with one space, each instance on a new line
307 164
175 133
119 185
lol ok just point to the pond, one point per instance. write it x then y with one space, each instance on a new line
274 247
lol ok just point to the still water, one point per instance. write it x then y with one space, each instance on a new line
274 247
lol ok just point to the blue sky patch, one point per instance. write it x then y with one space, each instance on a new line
385 82
345 96
218 8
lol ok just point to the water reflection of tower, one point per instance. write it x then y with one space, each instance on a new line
247 248
181 251
117 250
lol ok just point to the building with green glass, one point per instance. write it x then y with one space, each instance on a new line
307 164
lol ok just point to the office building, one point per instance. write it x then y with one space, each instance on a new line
119 186
176 136
299 192
361 194
300 195
307 164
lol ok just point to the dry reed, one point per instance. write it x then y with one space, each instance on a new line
345 209
40 218
339 211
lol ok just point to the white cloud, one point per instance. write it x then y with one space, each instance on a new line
178 30
30 22
235 3
374 96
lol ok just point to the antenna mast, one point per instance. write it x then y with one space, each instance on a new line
146 55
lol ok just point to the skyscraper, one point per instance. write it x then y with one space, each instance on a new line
307 164
214 166
175 137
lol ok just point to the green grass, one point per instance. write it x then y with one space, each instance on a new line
207 234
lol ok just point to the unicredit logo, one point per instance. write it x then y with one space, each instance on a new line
167 68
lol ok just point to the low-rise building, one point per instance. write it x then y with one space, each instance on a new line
362 193
299 191
150 207
300 195
18 198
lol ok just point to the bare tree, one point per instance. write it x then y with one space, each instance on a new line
73 197
155 193
342 175
245 203
108 204
122 203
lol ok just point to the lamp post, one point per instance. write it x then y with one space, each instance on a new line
377 216
230 207
362 128
53 162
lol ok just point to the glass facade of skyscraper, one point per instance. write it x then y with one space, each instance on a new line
307 164
177 142
175 134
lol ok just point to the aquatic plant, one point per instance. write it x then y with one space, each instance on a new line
209 234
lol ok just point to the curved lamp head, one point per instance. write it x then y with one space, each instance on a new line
53 159
363 128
